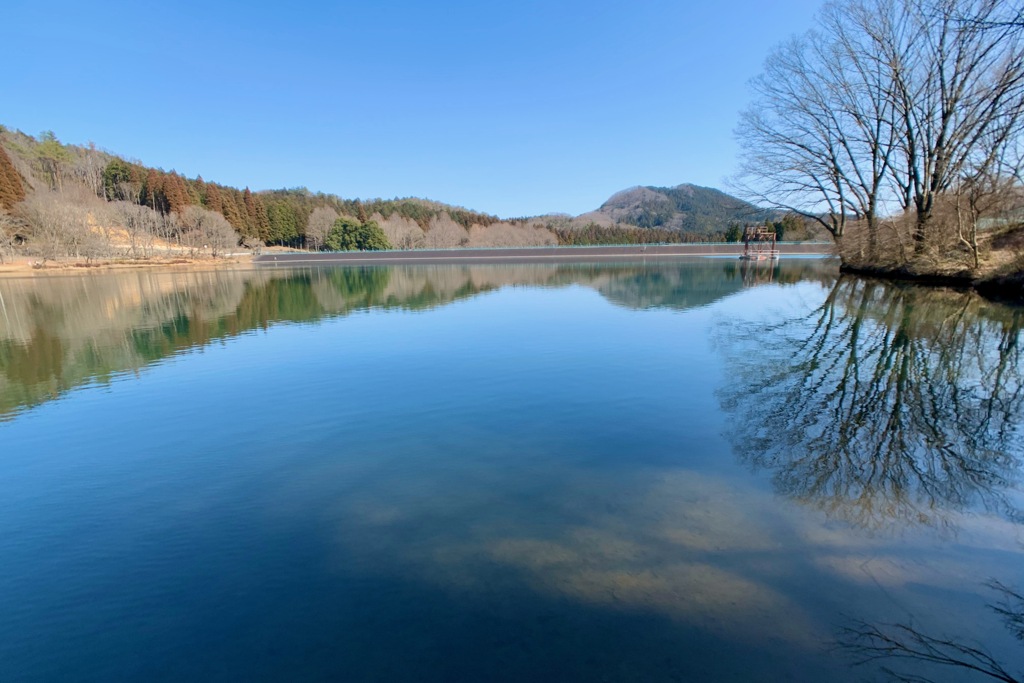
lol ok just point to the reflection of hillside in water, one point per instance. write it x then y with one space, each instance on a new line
57 333
679 289
699 283
885 404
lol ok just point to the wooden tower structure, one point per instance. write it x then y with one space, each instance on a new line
759 244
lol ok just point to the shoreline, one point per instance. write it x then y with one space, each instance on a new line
27 266
1003 288
513 255
23 266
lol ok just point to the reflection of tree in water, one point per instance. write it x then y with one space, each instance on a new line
60 333
885 404
904 643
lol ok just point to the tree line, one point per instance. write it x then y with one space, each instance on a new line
69 200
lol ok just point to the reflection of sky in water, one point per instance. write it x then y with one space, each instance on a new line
528 483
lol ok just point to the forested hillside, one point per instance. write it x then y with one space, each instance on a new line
60 200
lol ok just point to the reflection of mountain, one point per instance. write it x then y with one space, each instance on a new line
698 283
58 333
885 403
702 283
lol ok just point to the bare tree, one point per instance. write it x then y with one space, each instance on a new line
445 233
1013 17
819 140
58 226
403 233
202 229
8 226
87 170
888 102
320 222
957 92
141 225
505 234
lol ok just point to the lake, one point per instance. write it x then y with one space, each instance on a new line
623 472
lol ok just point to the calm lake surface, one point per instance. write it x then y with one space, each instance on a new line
684 471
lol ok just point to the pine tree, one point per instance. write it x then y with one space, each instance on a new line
115 176
151 191
283 223
262 220
214 202
231 209
195 190
250 213
175 193
53 156
12 190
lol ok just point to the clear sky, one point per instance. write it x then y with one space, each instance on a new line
515 109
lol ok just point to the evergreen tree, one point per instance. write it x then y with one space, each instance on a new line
195 189
151 191
200 187
351 235
283 224
261 219
12 190
53 156
115 176
214 200
176 193
251 227
231 209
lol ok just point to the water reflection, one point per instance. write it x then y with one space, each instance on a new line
910 653
884 404
57 333
532 484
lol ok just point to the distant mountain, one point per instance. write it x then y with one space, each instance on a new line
685 208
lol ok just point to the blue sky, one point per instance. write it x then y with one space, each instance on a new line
510 108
